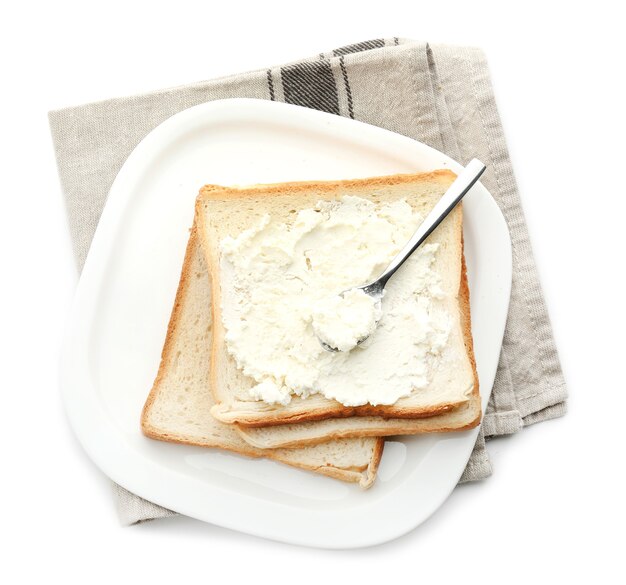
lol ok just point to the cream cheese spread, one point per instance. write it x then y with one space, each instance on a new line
343 320
279 282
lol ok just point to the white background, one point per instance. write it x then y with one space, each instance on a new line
554 507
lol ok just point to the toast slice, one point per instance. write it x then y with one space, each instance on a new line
222 212
178 408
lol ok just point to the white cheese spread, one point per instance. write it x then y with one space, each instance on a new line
343 320
279 282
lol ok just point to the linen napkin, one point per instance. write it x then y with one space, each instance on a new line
440 95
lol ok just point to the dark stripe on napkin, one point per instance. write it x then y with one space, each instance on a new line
312 85
358 47
270 84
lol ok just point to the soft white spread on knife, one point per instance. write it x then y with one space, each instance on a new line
281 278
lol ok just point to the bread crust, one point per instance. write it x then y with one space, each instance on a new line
466 328
215 192
257 420
146 425
364 475
400 427
256 417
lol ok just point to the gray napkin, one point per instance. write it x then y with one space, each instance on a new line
440 95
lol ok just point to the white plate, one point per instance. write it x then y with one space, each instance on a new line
122 306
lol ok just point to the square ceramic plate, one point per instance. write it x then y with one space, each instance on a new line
124 298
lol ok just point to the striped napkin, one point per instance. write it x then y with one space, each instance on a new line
440 95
